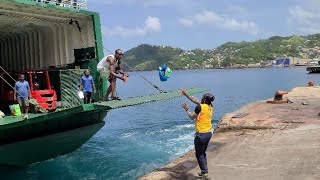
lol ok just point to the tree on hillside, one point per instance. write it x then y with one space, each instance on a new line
150 57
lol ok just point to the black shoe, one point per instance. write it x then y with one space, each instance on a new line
203 174
116 98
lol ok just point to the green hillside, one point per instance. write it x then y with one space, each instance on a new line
150 57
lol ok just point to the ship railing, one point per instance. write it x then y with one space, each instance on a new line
78 4
69 84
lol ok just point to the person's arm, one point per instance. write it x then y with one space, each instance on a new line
29 92
191 98
192 115
111 69
15 92
93 86
120 69
81 84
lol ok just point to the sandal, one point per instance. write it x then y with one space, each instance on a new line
116 98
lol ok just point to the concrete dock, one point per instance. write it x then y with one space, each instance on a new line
260 141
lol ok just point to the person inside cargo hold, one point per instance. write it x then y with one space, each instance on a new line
87 86
22 94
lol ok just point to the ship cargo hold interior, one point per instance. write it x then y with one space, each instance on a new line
34 37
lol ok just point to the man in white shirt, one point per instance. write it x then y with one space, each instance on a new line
110 65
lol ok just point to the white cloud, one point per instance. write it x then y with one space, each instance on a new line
151 24
213 19
185 22
305 19
207 17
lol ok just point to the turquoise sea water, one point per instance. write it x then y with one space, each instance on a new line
135 140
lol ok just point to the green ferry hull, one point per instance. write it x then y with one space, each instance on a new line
48 136
14 129
45 136
46 147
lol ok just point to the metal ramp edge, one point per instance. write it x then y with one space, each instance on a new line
148 98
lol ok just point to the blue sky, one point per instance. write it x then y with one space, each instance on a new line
190 24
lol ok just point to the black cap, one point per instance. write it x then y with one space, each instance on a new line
209 97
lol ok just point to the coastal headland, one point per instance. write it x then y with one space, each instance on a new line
260 141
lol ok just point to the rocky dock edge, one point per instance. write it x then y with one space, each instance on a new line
260 141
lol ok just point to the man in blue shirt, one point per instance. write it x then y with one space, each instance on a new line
22 94
87 86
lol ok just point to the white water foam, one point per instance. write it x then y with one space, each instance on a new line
171 129
127 135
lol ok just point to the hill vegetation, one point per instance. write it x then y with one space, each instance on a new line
230 54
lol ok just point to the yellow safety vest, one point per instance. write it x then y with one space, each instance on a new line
203 122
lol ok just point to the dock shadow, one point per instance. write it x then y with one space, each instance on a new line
187 176
181 170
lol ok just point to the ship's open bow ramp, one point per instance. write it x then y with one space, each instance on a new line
148 98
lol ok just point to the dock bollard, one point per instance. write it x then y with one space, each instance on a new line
310 83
